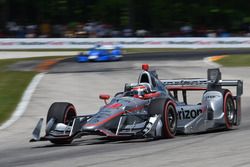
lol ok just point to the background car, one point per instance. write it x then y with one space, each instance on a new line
100 53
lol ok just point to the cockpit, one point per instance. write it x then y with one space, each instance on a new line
145 88
137 89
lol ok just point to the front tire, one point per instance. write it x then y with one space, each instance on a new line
62 112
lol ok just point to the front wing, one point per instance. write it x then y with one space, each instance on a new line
62 132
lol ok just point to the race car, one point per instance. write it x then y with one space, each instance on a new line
149 108
100 53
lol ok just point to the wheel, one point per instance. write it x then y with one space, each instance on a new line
169 119
228 109
165 108
62 112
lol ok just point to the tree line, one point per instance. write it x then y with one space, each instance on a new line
153 15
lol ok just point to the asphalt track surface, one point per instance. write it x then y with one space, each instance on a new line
81 85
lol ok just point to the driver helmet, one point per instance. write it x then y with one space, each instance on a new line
139 91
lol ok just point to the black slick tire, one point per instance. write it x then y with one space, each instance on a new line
228 109
169 119
62 112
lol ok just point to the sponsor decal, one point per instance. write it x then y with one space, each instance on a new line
211 97
7 43
188 114
185 82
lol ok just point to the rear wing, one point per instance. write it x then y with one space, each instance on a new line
201 84
213 81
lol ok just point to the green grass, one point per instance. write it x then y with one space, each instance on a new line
13 84
242 60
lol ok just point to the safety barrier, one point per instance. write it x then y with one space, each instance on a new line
81 43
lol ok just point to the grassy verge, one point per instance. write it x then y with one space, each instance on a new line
235 60
13 84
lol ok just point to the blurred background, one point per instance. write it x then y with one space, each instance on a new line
124 18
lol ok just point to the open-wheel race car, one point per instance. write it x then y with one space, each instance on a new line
149 108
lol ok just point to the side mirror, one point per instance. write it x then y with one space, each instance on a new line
104 97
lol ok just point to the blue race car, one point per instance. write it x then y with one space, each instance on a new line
100 53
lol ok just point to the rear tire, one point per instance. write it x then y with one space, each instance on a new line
228 109
62 112
169 119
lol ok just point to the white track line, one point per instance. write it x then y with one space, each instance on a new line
21 107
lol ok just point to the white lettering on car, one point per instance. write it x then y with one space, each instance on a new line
188 114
